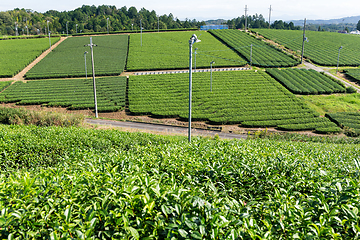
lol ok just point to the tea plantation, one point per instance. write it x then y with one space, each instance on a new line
251 98
171 51
67 60
74 94
302 81
75 183
15 55
322 47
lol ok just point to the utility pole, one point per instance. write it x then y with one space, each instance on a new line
303 44
270 16
85 64
91 45
140 33
251 46
211 63
337 66
246 9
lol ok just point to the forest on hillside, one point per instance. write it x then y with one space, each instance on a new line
98 19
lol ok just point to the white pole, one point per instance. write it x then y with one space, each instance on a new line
107 20
211 63
195 59
303 44
192 40
190 87
251 46
337 66
85 65
140 33
50 41
91 45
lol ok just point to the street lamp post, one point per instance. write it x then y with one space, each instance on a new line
251 47
50 40
195 59
140 33
107 23
16 29
91 45
337 66
192 40
211 63
85 64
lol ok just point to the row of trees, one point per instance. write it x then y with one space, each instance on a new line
88 19
258 21
97 19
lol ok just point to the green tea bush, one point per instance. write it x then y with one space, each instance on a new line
102 184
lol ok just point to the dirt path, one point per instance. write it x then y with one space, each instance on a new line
165 128
20 75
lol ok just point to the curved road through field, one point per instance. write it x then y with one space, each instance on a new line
164 128
320 69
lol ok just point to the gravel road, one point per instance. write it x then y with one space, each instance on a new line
164 128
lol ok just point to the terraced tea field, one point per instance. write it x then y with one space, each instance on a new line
301 81
349 120
260 54
322 48
17 54
171 51
67 60
74 94
250 98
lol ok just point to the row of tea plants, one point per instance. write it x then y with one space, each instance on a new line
76 183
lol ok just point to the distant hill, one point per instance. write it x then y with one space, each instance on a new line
352 20
216 22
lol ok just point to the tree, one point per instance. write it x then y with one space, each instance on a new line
358 25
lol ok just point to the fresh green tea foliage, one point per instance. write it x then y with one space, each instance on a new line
322 47
262 55
74 94
349 121
253 99
4 85
354 74
67 60
110 184
15 55
302 81
170 50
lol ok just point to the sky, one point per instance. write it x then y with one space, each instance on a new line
210 9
